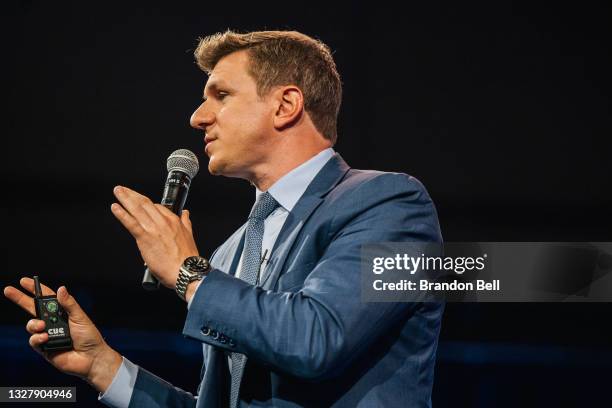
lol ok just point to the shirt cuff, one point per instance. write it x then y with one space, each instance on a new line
195 291
119 393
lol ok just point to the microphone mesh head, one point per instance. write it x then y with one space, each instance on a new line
183 160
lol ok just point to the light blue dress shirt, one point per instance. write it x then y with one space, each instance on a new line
286 191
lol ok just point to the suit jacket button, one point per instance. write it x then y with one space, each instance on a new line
222 339
205 330
214 334
231 343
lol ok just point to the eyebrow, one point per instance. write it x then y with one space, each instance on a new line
213 86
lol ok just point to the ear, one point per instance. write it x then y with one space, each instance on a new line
289 106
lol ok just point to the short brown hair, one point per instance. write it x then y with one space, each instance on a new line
283 58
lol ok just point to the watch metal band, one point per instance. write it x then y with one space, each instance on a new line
183 280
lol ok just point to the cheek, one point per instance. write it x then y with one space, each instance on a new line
252 126
244 125
234 120
259 119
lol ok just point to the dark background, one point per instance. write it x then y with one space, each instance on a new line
502 109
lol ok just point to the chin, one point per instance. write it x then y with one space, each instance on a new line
218 167
213 167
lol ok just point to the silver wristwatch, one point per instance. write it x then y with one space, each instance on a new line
193 268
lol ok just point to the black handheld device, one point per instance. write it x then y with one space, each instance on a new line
56 320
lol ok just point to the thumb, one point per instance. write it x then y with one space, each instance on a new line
185 219
71 306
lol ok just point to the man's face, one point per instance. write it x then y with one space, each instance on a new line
237 123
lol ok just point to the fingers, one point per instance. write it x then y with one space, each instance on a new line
71 306
23 300
131 200
38 336
165 211
186 220
35 326
28 284
134 211
138 214
158 213
127 220
37 339
20 299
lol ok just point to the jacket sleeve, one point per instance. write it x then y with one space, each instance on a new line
315 332
152 391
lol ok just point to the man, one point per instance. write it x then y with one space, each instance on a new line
278 309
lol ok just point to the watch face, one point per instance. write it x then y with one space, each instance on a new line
197 264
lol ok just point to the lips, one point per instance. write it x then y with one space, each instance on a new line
208 141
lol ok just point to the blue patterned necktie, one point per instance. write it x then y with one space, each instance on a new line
251 262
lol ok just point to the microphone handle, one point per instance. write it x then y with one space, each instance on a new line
175 195
149 282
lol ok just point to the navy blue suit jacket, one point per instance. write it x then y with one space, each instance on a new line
309 338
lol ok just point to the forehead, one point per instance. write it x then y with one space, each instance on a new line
231 70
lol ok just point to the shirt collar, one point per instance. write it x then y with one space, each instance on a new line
288 189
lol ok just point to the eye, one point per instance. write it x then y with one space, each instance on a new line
221 95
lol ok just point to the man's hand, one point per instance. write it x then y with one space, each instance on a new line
164 239
91 358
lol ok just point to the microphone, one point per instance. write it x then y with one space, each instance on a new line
182 167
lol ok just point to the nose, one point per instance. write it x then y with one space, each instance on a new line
201 117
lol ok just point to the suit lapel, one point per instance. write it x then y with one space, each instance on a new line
290 230
325 180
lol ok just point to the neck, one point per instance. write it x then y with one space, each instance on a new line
282 162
